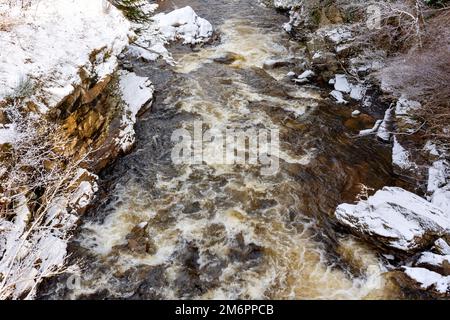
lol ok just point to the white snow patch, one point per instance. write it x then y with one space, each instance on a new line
341 83
442 247
338 96
439 184
428 279
8 134
373 130
432 148
384 132
433 259
304 77
405 106
337 35
183 24
438 175
53 39
136 92
400 156
357 92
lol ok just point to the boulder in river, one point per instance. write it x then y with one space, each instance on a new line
395 219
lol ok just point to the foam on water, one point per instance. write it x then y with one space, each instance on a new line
248 232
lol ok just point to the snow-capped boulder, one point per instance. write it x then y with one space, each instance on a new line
395 218
435 262
183 24
427 280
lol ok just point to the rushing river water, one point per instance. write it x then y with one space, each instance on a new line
227 231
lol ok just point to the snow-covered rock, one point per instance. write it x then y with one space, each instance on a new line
439 184
437 261
395 218
136 92
401 156
52 40
341 83
183 24
442 247
304 77
357 92
387 126
372 130
338 96
405 106
356 113
429 280
285 4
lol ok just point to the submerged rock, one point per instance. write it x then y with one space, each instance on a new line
228 58
395 218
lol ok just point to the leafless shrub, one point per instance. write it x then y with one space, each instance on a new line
424 75
35 193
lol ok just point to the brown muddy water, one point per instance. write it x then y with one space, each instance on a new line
215 231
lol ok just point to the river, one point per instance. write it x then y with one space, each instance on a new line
225 231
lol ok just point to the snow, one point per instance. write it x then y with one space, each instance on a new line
44 250
373 130
337 35
341 84
442 247
357 92
285 4
356 113
427 279
400 156
385 130
438 175
304 77
433 259
432 148
290 74
338 96
439 184
53 39
405 106
136 92
441 198
396 218
183 24
8 134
